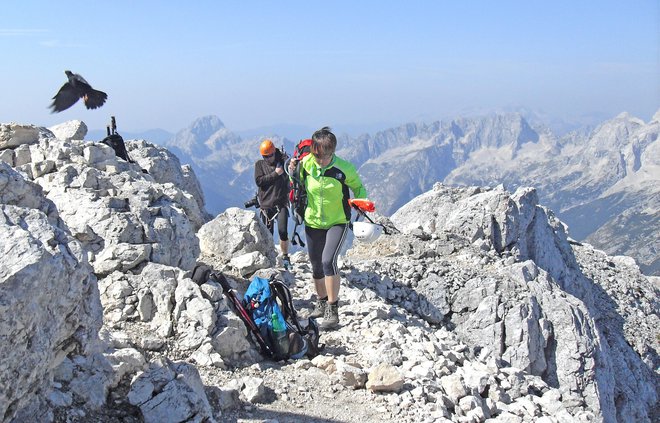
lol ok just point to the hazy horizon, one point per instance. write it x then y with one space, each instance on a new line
343 64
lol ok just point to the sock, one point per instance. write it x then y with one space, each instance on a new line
335 303
324 298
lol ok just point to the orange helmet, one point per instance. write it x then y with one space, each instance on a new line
267 148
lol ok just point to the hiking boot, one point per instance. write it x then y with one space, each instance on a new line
331 316
286 262
319 309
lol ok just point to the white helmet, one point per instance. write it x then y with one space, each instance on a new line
367 232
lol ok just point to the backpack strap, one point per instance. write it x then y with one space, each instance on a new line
286 301
298 185
336 173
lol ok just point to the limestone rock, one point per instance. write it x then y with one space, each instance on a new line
350 376
254 390
170 392
454 387
234 233
519 291
385 378
123 216
12 135
165 167
71 130
93 377
49 303
249 263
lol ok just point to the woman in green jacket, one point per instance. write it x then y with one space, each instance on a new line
327 180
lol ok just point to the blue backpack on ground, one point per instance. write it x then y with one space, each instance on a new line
270 306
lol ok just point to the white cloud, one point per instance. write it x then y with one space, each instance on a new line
59 44
20 32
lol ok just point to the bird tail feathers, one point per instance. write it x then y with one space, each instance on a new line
94 99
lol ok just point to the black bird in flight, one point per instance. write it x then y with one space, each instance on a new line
74 89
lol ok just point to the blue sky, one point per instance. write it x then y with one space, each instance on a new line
259 63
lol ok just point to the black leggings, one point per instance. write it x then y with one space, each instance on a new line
323 247
268 217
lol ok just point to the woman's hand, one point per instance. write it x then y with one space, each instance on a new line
292 166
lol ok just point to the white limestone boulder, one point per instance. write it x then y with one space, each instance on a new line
13 135
70 130
237 235
169 391
49 300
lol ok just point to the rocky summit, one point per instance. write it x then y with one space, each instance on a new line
478 307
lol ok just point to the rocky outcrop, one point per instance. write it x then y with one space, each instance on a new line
168 306
513 225
125 218
49 304
165 167
520 296
70 130
13 135
602 184
170 392
73 212
236 239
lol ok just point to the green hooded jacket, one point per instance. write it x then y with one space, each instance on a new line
327 191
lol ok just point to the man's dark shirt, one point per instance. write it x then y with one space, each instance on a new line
273 188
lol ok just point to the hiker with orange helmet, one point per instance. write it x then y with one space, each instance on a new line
273 193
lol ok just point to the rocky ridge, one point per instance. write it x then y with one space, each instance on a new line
462 319
533 285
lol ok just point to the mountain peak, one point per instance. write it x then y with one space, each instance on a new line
205 126
203 136
656 117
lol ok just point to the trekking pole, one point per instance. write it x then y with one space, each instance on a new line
237 306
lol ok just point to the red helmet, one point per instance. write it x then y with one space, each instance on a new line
267 148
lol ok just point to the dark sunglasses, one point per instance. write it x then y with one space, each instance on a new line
323 156
268 156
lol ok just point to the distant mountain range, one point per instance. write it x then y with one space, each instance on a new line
222 161
603 181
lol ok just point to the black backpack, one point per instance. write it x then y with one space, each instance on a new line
201 273
117 143
297 194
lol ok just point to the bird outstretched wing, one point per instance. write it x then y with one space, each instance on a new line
65 98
